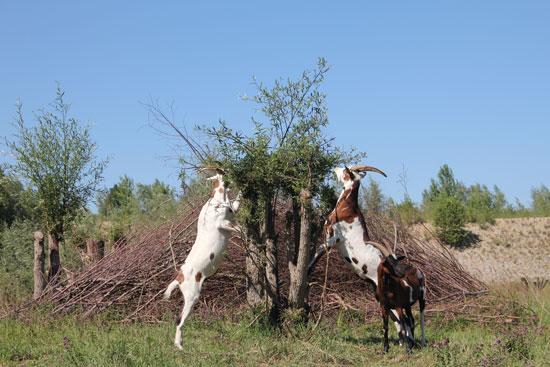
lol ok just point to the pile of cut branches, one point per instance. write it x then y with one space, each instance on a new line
446 279
131 279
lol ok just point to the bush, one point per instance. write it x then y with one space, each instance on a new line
406 212
373 198
16 262
481 205
541 200
449 217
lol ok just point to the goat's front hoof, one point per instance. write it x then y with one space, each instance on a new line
178 346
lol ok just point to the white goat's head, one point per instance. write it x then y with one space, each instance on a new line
218 176
219 191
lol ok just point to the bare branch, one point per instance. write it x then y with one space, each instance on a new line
163 123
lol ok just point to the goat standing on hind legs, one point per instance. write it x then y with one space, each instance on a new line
213 231
346 230
400 293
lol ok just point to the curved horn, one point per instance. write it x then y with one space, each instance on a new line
363 168
208 168
380 247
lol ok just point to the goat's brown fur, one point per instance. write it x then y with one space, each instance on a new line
400 293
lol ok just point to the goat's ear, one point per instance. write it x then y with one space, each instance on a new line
215 177
399 258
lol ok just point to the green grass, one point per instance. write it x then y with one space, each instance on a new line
342 340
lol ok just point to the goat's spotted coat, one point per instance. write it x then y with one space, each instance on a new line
214 228
345 229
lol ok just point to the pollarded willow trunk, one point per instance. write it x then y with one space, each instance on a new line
254 281
254 259
95 250
55 260
298 271
262 265
271 266
38 268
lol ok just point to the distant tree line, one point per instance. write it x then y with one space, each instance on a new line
449 205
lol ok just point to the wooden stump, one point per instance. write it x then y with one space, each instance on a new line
95 249
38 269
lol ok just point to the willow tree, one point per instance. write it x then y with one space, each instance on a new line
57 157
287 158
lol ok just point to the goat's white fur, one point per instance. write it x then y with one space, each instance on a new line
214 228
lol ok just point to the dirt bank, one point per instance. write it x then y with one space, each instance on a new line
507 250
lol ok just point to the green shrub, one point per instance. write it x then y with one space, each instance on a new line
16 262
449 216
541 200
480 205
406 212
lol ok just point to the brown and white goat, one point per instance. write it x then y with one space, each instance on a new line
399 293
214 227
345 229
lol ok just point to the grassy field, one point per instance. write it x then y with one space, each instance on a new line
341 340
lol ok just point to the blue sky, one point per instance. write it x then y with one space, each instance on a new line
415 85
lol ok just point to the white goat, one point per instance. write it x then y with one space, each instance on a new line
213 231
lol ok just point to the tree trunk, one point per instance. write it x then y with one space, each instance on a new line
254 281
55 260
271 267
298 271
261 264
95 249
254 269
38 269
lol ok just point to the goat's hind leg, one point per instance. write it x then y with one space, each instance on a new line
397 323
189 301
404 328
410 322
422 304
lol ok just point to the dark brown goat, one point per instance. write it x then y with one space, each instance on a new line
400 293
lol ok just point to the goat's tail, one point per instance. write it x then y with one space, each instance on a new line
170 289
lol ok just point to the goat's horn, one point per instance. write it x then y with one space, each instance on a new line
363 168
209 168
383 249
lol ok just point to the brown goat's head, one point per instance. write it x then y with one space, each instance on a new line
391 265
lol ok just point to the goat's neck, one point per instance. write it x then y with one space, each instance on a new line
350 192
385 279
349 200
380 274
349 197
218 192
